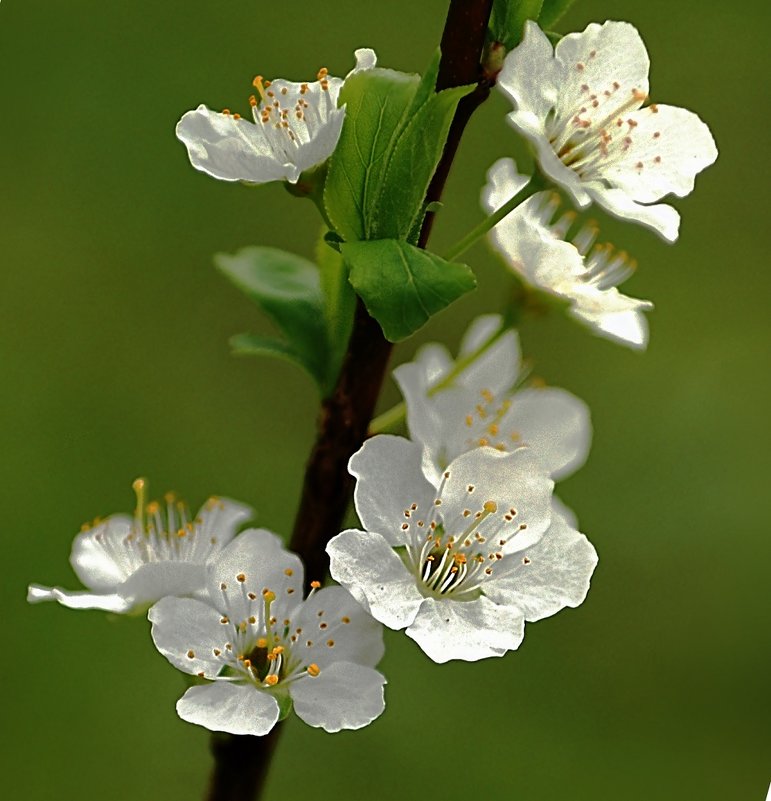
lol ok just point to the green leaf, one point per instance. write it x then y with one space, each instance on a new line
339 305
257 345
508 19
427 84
553 10
413 164
288 289
376 103
403 286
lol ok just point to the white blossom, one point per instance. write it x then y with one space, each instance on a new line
581 106
456 405
296 127
262 649
460 565
129 563
530 239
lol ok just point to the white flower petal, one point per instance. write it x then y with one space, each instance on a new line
607 58
551 575
423 419
365 60
187 632
503 182
234 708
333 615
668 147
497 369
471 630
661 218
530 74
260 558
510 481
555 424
343 696
154 580
106 602
389 481
366 565
231 149
220 520
627 326
98 556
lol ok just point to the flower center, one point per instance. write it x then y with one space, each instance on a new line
160 532
604 265
592 129
454 558
487 426
291 114
259 647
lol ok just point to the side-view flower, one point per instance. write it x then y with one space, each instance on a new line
296 127
479 399
263 650
580 104
129 563
530 239
462 564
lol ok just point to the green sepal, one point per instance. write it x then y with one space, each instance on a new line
376 103
508 18
284 702
402 286
400 208
288 290
553 11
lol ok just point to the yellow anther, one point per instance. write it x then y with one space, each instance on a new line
490 507
268 596
483 441
469 420
259 86
241 577
153 508
289 572
313 670
487 395
322 73
315 585
345 619
271 680
262 643
493 429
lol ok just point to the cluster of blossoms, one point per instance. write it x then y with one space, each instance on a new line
462 540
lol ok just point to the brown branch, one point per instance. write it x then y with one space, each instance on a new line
241 762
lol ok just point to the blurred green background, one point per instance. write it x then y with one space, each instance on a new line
115 363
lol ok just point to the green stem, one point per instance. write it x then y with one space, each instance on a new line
396 414
536 184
